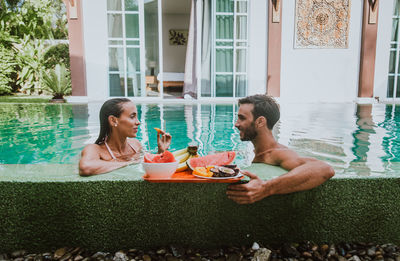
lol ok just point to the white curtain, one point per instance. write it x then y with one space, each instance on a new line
190 80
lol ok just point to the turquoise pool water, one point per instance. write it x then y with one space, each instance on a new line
354 139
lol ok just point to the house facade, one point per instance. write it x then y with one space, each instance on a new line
322 50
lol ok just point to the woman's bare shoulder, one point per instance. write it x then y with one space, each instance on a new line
135 143
91 148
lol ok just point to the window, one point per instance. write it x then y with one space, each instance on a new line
124 68
230 48
393 90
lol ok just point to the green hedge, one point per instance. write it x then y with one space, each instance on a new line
57 54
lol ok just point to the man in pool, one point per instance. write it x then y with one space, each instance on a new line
257 116
112 149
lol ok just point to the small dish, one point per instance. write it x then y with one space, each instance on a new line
160 170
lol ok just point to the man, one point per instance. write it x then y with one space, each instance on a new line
257 116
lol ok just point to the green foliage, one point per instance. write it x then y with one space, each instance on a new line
57 81
7 65
24 24
57 54
30 59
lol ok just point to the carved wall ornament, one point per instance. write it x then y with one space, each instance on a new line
322 23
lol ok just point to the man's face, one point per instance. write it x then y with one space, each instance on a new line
245 123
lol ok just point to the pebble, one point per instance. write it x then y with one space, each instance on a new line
304 251
60 252
161 251
120 256
18 253
78 258
371 251
354 258
255 246
262 254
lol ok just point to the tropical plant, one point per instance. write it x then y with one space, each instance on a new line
7 65
30 59
57 81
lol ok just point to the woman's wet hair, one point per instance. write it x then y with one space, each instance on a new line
112 107
265 106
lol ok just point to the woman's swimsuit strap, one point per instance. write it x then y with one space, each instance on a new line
112 154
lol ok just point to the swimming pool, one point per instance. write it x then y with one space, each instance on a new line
354 139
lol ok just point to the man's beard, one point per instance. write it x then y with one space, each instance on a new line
249 134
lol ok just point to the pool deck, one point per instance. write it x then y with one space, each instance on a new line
49 206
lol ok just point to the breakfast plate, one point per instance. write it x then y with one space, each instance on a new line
238 176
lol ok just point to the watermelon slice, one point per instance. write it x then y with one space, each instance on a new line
219 159
164 157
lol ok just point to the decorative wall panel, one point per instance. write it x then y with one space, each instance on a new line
322 23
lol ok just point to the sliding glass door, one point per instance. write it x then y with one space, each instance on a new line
133 47
230 48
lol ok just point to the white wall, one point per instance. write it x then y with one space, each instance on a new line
96 53
174 55
257 61
383 48
320 74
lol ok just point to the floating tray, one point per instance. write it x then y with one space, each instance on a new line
187 177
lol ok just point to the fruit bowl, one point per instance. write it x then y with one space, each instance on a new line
160 170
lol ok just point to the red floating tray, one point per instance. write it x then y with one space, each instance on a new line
187 177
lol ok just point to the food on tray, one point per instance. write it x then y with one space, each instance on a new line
202 171
164 157
183 155
218 159
216 171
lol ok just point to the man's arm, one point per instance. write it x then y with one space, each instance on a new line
92 164
304 174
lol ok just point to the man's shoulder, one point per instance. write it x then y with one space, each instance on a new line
281 153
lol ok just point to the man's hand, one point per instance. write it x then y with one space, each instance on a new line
251 192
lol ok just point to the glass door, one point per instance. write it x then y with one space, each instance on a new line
230 48
393 90
125 43
133 47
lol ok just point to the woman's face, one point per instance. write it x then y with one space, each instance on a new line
128 122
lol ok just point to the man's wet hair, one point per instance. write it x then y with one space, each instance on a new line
265 106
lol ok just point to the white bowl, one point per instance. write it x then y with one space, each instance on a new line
160 170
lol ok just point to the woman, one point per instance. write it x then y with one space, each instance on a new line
112 149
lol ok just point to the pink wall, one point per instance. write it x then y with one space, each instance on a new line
76 48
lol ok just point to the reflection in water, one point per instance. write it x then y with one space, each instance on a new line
391 142
354 139
35 133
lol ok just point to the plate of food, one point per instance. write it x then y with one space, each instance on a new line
217 172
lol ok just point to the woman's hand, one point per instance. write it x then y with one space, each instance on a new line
163 140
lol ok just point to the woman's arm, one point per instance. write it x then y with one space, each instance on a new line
91 163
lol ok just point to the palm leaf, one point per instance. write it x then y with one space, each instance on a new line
57 81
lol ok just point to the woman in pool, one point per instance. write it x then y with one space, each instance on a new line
113 149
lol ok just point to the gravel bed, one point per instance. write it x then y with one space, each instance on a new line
306 251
